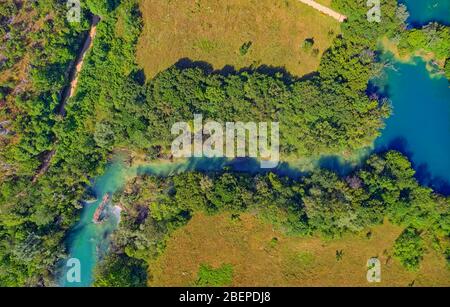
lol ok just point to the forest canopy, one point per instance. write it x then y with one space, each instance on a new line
329 112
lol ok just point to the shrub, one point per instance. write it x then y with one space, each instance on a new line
245 48
308 44
208 276
409 249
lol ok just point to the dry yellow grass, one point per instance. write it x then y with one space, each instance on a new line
291 261
213 31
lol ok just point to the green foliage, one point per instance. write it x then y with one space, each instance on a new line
447 256
243 50
315 52
390 180
308 44
358 29
332 207
103 136
120 271
409 249
322 116
100 7
321 202
113 107
55 47
210 277
447 68
433 38
339 255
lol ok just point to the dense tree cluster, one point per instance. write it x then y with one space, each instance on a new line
318 116
409 249
432 38
34 72
360 29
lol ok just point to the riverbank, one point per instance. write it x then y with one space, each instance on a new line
434 66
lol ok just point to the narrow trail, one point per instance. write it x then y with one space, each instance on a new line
68 92
325 10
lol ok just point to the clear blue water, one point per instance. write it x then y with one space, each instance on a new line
424 11
88 241
419 127
420 124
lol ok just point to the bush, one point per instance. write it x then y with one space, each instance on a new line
208 276
120 271
315 52
100 8
308 44
409 249
245 48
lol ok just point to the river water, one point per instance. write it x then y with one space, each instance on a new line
419 127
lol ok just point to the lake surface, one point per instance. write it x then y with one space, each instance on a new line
424 11
420 124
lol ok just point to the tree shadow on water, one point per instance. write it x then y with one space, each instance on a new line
437 183
423 173
336 164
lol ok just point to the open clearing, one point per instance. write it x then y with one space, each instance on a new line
260 260
215 32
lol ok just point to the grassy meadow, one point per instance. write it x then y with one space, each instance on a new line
237 33
262 256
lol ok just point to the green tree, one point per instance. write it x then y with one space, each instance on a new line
409 249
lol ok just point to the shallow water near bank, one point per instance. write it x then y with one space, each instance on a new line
88 241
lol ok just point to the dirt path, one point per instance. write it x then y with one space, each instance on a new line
323 9
68 92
